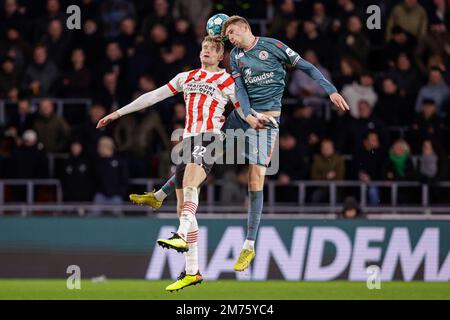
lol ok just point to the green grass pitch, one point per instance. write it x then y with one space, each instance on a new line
220 290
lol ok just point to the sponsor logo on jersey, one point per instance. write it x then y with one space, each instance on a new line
239 55
290 52
199 87
263 55
264 78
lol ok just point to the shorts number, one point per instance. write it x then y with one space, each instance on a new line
199 151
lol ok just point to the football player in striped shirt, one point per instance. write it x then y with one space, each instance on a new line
259 70
206 92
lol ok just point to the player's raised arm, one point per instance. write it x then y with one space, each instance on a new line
289 56
144 101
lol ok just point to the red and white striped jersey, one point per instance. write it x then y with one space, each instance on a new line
205 95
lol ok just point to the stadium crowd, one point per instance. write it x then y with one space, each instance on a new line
395 80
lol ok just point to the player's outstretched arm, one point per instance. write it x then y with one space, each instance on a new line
329 88
146 100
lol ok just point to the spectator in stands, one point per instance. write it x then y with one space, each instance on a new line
76 175
108 94
440 12
285 12
140 137
433 163
115 61
345 9
192 10
311 39
57 42
16 48
357 91
349 70
112 12
327 166
53 131
433 167
90 9
292 162
290 34
127 37
409 15
368 162
92 43
408 80
293 166
436 89
390 107
427 125
320 18
351 209
306 127
435 43
53 11
176 60
110 176
9 77
29 160
21 120
367 122
354 43
87 133
77 79
399 165
184 33
12 16
234 188
305 87
41 76
161 15
401 41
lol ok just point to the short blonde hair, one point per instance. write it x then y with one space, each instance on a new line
234 20
217 43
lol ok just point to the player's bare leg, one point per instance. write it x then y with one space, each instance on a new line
255 192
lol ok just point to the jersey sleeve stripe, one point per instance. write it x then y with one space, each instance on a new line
226 83
174 91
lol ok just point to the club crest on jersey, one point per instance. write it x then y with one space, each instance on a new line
263 55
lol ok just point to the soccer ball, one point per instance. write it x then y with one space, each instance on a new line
215 24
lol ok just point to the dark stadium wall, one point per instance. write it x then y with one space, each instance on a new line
310 250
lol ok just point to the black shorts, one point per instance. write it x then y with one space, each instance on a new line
201 149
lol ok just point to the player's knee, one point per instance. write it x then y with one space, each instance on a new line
190 193
255 185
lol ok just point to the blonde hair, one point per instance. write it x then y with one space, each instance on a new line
403 143
234 20
217 43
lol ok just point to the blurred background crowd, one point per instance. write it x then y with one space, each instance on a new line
395 80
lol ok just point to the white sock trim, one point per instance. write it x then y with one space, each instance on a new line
160 195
